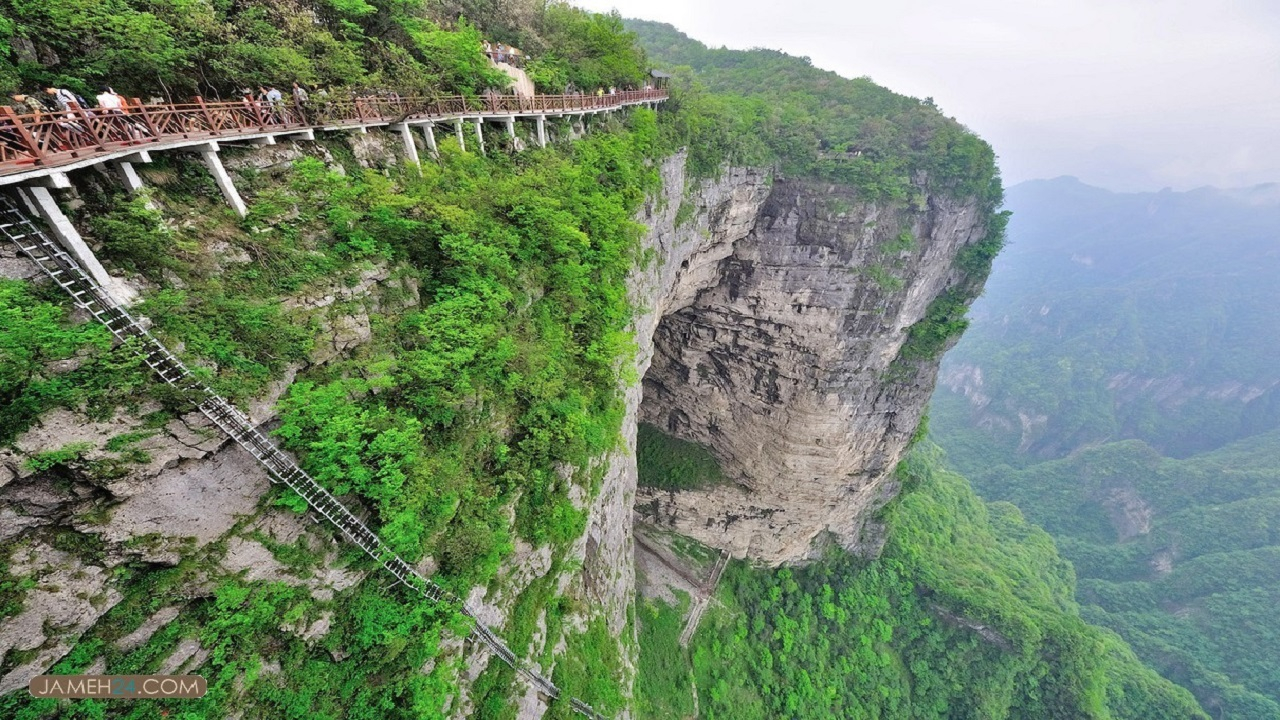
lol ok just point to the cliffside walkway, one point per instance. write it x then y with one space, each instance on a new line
707 590
35 146
17 227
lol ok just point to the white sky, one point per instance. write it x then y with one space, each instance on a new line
1126 94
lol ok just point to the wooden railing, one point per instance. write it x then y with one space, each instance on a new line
51 139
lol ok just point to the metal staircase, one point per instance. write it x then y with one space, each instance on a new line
17 226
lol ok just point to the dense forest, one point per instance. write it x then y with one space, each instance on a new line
967 613
1134 335
1142 315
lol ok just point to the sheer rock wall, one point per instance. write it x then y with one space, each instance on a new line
783 365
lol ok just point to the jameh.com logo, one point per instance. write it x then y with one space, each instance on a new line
118 686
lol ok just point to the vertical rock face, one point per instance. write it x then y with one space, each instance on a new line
783 364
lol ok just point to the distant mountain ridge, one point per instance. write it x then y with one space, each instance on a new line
1111 313
1119 385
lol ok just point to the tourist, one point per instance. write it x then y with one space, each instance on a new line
22 105
70 133
502 53
27 104
110 110
275 103
301 100
64 99
109 101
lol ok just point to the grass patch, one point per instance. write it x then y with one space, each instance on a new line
664 685
669 463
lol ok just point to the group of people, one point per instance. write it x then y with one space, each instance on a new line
503 53
65 101
270 101
71 111
601 91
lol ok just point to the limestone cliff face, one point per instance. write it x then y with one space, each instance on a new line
781 365
768 315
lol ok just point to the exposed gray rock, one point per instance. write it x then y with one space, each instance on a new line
200 500
256 562
781 367
143 633
188 654
68 599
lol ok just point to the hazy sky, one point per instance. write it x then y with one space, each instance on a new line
1126 94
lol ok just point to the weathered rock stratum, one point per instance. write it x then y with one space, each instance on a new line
777 351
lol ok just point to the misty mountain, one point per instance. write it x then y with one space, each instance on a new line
1124 315
1119 385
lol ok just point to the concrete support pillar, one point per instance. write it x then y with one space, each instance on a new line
124 168
209 152
480 134
429 132
69 238
410 149
457 128
130 177
542 130
511 127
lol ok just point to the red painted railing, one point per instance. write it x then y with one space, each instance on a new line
51 139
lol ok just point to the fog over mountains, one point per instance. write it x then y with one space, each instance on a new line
1119 385
1126 315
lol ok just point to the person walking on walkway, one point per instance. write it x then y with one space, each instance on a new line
275 99
27 104
301 101
109 101
73 133
22 105
64 98
114 108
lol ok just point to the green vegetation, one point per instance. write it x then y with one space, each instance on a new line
967 614
1194 591
1138 348
177 49
762 103
664 683
670 463
247 627
48 362
507 368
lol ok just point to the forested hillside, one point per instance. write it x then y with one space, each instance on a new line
968 613
1110 316
818 123
1135 334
